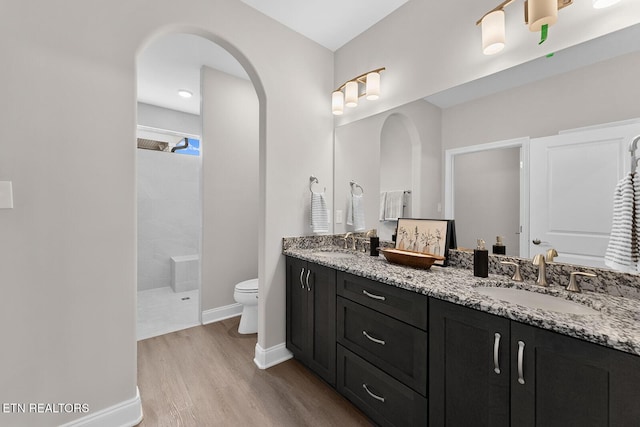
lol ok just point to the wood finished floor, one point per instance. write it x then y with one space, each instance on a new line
205 376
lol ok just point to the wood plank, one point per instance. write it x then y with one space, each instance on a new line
205 376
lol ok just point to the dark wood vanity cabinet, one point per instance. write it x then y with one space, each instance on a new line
525 377
570 382
465 349
382 350
311 316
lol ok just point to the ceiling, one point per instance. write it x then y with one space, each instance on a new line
173 61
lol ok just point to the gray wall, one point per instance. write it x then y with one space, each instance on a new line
230 186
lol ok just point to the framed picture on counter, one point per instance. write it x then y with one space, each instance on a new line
433 236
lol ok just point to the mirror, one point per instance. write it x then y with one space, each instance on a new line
573 89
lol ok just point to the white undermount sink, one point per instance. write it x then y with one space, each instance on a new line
536 300
333 254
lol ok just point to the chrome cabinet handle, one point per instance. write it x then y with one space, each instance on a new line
375 396
496 350
308 287
375 340
378 297
301 274
520 362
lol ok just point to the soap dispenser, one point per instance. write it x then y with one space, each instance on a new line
481 260
499 248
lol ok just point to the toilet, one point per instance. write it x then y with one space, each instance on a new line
246 293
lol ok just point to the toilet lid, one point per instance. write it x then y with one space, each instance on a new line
250 285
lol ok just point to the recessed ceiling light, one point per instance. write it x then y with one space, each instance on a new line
185 93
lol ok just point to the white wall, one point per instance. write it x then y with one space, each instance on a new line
68 248
429 46
164 118
169 213
230 186
600 93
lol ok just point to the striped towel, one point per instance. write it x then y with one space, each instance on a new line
355 212
622 251
319 213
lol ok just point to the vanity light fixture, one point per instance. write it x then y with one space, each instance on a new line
538 15
601 4
185 93
367 84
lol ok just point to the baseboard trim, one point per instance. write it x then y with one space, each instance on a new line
271 356
221 313
123 414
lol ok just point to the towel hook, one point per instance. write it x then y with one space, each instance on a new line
633 147
314 180
355 186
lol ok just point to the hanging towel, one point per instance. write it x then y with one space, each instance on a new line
394 204
622 251
355 211
383 203
319 213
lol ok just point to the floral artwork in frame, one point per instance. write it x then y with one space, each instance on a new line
433 236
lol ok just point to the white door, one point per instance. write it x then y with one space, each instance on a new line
573 178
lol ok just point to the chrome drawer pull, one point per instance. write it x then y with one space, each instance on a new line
378 297
375 396
308 272
496 349
375 340
520 362
301 274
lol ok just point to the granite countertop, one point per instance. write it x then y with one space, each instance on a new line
617 324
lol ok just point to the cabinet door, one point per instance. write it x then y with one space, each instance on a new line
468 367
570 382
297 311
322 303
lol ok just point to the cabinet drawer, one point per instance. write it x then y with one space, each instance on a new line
387 401
393 346
408 306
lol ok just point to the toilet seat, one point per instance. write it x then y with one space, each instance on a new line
248 286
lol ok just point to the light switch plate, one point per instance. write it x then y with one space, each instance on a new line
339 217
6 195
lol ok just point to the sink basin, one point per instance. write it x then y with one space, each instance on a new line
333 254
536 300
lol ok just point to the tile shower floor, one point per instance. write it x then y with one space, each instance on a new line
161 311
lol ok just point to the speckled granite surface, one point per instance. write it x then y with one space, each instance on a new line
617 324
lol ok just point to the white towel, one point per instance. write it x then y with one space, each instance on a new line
383 203
355 212
622 251
394 204
319 213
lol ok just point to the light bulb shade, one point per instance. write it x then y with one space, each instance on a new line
373 86
493 32
351 94
601 4
337 102
542 12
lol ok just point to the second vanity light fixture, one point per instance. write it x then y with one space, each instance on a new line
367 84
538 15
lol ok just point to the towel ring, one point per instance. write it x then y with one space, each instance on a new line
314 180
354 187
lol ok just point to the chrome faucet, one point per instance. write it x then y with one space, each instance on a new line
542 270
551 254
